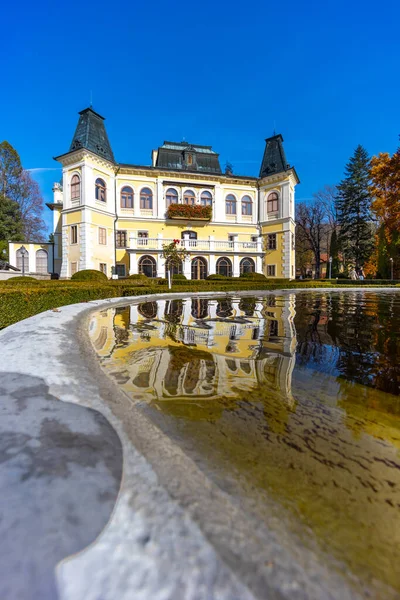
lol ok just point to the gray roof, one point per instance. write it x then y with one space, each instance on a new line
274 159
91 134
182 156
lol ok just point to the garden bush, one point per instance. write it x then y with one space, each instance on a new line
89 275
139 276
179 277
217 277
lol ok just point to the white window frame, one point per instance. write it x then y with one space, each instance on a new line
102 243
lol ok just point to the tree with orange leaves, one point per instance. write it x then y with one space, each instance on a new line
385 188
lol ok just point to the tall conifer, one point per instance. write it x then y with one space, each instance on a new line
353 203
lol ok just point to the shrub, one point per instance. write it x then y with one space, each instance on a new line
89 275
217 277
254 276
23 280
137 276
179 277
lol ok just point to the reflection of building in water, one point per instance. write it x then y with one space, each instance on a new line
199 347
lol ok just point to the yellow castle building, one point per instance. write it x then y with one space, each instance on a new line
116 217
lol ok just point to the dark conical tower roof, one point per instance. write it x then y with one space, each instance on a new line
91 134
274 159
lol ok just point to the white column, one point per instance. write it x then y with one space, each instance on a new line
160 199
211 243
236 266
212 264
133 264
187 268
32 258
258 264
219 204
64 273
87 187
160 266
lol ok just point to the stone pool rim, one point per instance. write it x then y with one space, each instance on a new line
59 340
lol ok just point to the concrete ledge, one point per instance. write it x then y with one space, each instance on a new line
172 533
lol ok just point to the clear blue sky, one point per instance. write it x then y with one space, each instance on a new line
324 74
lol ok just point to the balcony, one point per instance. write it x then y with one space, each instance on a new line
147 244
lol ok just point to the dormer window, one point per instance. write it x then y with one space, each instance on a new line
101 190
190 159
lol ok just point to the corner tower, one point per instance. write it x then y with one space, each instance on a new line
88 213
277 182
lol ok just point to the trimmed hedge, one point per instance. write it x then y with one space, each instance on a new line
21 279
89 275
139 276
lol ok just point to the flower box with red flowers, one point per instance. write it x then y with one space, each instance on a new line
187 211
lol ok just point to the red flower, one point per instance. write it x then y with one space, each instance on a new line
176 242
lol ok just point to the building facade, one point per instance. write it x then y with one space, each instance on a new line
116 217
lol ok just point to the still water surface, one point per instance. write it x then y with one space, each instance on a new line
293 397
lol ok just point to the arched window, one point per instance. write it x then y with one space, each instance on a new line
75 187
171 196
146 199
224 267
176 269
127 197
148 310
230 204
148 266
25 258
272 202
247 206
41 261
206 199
199 268
101 190
247 266
189 197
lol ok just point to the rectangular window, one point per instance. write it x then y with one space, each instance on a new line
272 241
74 267
271 270
120 270
102 235
74 234
103 268
121 239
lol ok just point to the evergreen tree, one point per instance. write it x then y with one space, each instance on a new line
334 253
353 203
11 225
